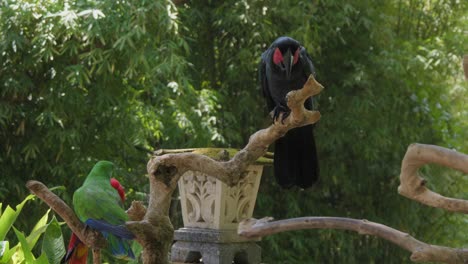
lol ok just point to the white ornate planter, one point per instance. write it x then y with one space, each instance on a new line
209 203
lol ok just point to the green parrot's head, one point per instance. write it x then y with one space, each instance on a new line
102 170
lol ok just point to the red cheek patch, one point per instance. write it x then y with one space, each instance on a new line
277 56
296 56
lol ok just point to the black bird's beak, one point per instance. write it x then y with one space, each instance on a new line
288 58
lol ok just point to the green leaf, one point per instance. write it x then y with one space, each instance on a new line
23 251
43 260
9 216
26 249
38 229
53 245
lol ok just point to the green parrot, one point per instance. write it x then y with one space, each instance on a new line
99 206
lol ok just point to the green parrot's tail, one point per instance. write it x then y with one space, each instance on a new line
118 238
119 247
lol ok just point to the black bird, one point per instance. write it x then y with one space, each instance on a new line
286 66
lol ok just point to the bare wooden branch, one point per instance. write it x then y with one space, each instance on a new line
91 238
414 187
421 252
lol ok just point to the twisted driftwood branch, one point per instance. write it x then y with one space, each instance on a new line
420 251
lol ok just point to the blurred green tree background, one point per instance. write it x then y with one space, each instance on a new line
82 81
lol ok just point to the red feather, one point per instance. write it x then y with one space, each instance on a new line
116 184
277 56
77 251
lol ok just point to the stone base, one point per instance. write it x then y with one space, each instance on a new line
213 247
216 253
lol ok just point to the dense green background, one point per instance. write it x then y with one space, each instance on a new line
82 81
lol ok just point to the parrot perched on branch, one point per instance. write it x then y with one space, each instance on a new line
77 252
99 204
286 66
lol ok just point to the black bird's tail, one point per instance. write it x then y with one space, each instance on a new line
295 161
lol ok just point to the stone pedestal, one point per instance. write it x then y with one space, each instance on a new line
213 246
211 212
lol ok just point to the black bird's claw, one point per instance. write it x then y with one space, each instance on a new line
280 111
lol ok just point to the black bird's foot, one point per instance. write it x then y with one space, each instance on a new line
280 112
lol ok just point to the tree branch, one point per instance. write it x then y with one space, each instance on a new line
413 186
91 238
420 251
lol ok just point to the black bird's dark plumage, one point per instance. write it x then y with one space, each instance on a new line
295 160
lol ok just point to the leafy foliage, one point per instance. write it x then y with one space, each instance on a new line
53 248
